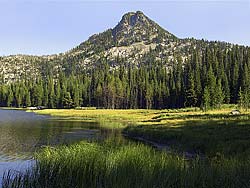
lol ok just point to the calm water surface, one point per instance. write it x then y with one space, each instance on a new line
22 133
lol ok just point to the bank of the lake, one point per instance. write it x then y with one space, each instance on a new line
211 133
112 165
219 136
22 134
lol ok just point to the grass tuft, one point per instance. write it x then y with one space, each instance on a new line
91 165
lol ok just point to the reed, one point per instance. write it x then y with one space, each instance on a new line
109 165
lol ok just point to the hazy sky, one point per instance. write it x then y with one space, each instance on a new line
53 26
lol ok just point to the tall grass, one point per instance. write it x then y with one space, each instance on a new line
91 165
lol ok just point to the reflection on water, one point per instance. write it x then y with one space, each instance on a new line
21 134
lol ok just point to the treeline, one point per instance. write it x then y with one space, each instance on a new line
207 79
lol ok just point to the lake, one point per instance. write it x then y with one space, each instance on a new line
22 133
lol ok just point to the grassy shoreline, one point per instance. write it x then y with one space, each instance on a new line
222 137
211 133
109 165
187 129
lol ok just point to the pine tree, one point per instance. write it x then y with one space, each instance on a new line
59 95
211 85
99 95
10 98
27 99
226 91
206 99
219 95
191 98
46 96
67 101
76 97
51 94
240 99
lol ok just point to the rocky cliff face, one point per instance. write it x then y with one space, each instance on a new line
136 27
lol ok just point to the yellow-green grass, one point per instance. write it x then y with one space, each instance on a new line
140 116
213 132
132 116
12 108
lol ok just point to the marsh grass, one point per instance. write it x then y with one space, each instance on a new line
109 165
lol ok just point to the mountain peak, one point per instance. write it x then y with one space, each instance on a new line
133 18
137 27
134 31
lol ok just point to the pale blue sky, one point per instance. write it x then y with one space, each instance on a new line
52 26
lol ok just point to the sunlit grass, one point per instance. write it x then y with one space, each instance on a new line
141 116
210 132
101 114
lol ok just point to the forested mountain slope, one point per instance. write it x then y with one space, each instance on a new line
137 64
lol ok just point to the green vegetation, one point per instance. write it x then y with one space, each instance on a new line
136 166
211 133
148 68
153 70
126 116
220 139
209 137
210 77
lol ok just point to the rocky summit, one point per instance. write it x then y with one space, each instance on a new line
136 27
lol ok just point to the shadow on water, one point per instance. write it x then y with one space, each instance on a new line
22 134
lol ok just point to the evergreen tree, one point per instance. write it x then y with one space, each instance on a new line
10 98
219 95
191 98
206 99
67 101
240 99
27 99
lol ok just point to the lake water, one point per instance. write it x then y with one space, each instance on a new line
22 133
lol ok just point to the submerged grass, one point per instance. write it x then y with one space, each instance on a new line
109 165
